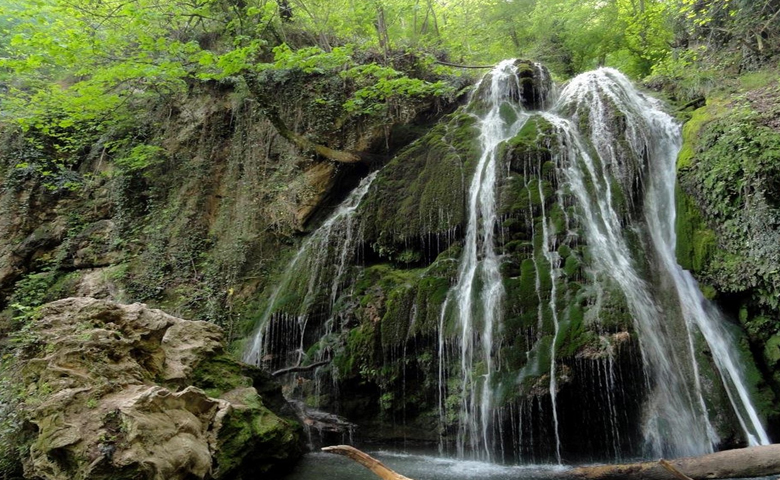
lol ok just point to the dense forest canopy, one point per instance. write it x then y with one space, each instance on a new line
76 74
65 62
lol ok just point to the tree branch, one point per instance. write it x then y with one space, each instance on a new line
307 145
299 368
448 64
371 463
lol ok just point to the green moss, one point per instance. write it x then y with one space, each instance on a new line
528 297
772 351
431 294
691 131
572 335
571 266
421 192
708 291
755 80
358 351
218 375
696 243
252 434
394 327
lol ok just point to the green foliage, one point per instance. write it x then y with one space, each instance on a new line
735 155
74 73
376 88
748 26
383 84
572 36
14 441
140 157
33 290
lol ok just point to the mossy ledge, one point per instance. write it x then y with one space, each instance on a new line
728 217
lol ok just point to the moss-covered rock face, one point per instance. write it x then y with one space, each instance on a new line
190 207
388 328
416 208
112 391
728 227
386 342
531 91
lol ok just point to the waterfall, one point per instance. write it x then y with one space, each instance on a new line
676 419
697 311
479 290
566 293
554 260
322 259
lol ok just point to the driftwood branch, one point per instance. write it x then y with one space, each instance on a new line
744 462
371 463
299 368
671 468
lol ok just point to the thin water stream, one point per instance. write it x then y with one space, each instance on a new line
323 258
479 290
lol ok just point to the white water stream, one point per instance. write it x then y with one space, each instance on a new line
676 417
479 290
323 257
614 154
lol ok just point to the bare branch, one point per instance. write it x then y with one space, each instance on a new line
299 368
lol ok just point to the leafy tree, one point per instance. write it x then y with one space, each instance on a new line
752 26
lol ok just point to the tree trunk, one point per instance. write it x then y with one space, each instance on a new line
381 30
745 462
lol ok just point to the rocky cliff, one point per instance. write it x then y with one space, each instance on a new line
382 310
186 208
206 223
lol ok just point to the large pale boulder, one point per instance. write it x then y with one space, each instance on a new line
127 392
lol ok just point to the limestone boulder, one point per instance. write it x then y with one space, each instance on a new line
117 391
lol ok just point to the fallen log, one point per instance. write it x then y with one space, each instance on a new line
673 470
758 461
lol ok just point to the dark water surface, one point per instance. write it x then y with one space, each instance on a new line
327 466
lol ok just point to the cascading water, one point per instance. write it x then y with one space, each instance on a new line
322 259
676 419
697 311
479 290
566 294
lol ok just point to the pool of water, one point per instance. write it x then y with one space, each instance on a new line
327 466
